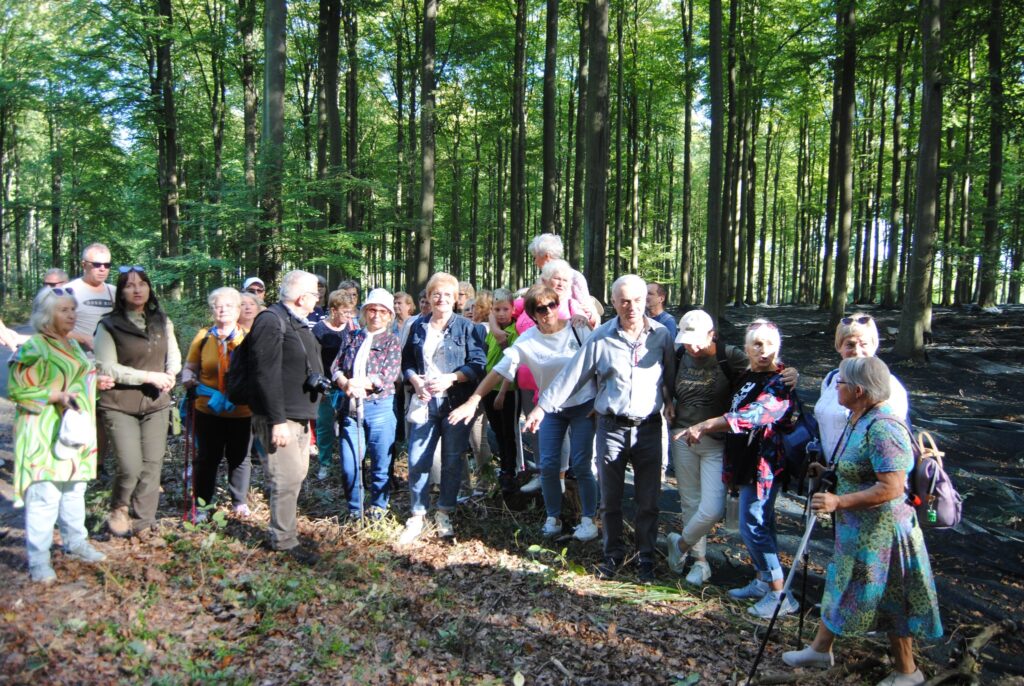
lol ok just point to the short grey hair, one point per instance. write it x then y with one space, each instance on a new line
95 246
546 244
225 293
58 272
503 295
291 285
42 315
628 280
554 268
870 374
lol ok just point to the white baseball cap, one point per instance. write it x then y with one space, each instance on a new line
380 296
251 280
694 327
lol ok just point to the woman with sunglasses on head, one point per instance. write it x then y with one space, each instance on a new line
753 459
135 345
545 349
856 336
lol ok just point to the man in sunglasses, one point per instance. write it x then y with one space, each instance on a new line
95 297
255 285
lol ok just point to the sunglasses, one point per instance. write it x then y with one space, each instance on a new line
850 320
100 265
255 289
63 291
124 269
544 309
54 284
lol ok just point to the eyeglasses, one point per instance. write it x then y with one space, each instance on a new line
99 265
860 320
842 382
544 309
126 269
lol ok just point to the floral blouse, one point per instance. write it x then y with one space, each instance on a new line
383 366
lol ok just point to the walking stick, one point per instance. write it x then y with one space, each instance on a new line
827 481
189 482
360 453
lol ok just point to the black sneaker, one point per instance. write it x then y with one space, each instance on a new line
304 556
608 569
508 483
645 571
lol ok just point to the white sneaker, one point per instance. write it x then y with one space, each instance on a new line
413 529
323 473
676 558
915 678
552 527
699 574
586 530
443 523
765 607
86 553
755 589
42 573
531 486
809 657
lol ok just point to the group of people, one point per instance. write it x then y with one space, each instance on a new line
327 372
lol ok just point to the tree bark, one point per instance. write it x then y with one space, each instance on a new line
517 231
685 263
354 195
167 122
245 26
713 302
893 242
595 207
847 107
962 293
423 264
549 185
580 154
994 183
917 305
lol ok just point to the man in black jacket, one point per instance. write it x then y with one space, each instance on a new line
284 354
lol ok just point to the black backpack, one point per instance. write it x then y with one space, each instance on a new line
238 382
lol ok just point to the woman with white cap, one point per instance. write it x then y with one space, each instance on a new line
368 363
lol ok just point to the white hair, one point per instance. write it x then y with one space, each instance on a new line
628 280
226 293
554 268
42 315
291 285
546 245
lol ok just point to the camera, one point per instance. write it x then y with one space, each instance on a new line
316 385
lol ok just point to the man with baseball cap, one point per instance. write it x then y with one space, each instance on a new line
255 285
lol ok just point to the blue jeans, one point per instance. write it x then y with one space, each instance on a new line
757 528
373 439
423 440
49 502
326 438
580 425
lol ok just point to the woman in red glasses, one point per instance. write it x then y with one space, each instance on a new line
135 344
856 336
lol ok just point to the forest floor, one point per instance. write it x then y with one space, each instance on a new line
499 604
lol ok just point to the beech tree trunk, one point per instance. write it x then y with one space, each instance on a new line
994 183
844 171
595 208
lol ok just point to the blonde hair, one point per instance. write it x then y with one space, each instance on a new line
868 331
482 306
441 279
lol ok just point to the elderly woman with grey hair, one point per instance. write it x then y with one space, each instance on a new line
50 375
879 578
222 429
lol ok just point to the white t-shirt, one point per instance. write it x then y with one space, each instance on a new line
545 355
832 416
431 343
93 303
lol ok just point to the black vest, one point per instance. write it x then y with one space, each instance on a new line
145 350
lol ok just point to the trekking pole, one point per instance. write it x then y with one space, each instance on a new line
360 453
189 482
801 553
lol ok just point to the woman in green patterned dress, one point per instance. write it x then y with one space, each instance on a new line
879 578
49 374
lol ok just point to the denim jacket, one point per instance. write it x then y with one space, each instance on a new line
463 348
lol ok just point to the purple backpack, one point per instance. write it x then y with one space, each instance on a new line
930 490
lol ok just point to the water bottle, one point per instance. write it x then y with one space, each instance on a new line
732 512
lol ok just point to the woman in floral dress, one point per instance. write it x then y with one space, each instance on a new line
879 578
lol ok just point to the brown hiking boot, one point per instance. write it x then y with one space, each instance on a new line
119 522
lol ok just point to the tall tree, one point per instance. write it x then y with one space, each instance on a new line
423 265
596 203
272 146
713 301
844 170
549 185
167 129
990 255
518 149
915 319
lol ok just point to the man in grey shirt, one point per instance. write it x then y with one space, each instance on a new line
631 358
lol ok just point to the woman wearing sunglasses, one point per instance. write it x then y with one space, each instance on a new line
545 349
135 344
856 336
